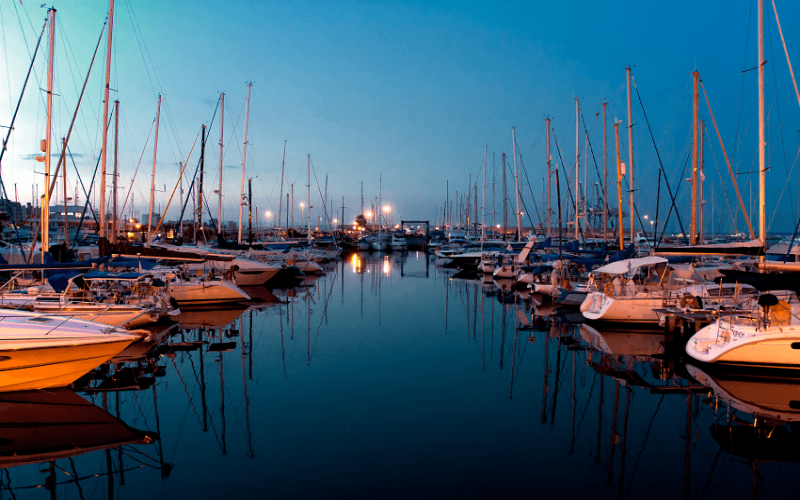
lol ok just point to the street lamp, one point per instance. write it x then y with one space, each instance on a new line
387 210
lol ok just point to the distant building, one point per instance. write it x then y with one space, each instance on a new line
14 210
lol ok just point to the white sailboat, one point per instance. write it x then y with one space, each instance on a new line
771 337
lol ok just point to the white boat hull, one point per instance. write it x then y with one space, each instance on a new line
39 351
748 345
639 308
206 293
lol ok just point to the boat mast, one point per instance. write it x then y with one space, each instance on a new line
483 209
547 126
200 185
153 179
577 166
116 173
66 219
221 153
308 213
102 229
762 226
516 183
701 197
630 149
493 205
695 152
44 211
619 190
505 199
244 157
280 198
605 175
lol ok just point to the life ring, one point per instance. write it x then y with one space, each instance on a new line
690 301
608 288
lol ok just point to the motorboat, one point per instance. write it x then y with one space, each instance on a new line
201 290
766 338
398 243
38 351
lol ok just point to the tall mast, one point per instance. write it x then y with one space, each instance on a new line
762 214
577 165
116 173
221 153
180 216
619 190
605 175
153 178
200 184
104 149
280 198
505 199
547 126
695 153
630 150
44 211
701 177
308 213
483 203
66 218
250 210
475 198
493 205
292 210
516 184
244 157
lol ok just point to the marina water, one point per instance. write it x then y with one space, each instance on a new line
388 377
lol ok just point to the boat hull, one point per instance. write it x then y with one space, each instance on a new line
746 345
199 294
40 367
637 309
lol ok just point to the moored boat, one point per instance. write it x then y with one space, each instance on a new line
38 351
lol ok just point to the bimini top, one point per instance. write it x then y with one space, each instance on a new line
627 265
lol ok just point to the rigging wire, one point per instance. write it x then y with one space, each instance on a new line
719 173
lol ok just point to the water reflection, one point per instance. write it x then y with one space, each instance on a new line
390 377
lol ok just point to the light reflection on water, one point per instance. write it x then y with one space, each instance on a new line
389 377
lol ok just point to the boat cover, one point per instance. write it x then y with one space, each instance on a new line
625 266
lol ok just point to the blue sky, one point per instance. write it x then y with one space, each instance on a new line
410 92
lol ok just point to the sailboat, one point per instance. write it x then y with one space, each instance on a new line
771 337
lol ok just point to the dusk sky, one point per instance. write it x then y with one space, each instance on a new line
411 92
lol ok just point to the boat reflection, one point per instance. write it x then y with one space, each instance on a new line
40 426
765 397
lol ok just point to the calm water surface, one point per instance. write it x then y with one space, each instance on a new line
390 378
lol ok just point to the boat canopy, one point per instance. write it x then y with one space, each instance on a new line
83 264
752 247
628 265
60 282
107 276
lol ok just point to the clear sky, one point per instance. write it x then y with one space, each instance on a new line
411 92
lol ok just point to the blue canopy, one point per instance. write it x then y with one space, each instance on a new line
60 282
82 264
